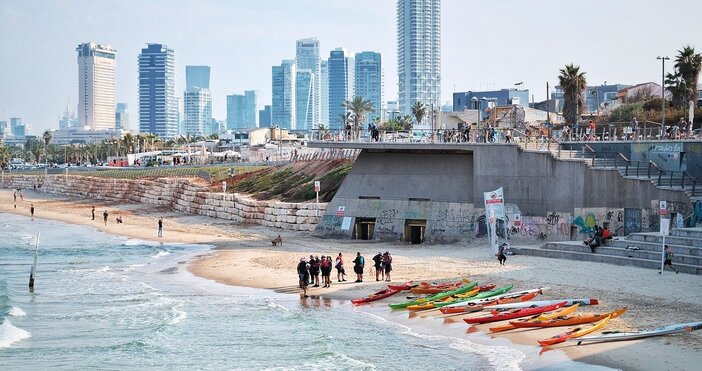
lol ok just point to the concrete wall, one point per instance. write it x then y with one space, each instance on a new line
180 194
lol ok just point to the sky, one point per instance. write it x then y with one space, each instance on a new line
485 45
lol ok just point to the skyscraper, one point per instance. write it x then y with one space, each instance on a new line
122 117
307 58
251 108
341 84
283 99
324 93
369 81
17 128
96 86
158 105
197 77
304 99
419 53
264 117
235 111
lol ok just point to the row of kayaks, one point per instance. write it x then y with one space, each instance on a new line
467 301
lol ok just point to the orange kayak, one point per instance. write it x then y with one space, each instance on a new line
538 318
487 302
569 320
574 333
429 288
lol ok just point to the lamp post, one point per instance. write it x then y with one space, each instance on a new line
663 59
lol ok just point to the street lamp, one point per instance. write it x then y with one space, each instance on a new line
663 59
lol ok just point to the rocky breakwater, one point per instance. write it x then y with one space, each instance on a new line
189 195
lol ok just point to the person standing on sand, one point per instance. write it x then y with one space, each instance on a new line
93 212
303 274
326 267
21 196
31 210
104 216
358 265
340 272
501 257
378 264
387 264
14 195
160 227
668 259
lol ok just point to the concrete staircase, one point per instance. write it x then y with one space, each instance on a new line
638 249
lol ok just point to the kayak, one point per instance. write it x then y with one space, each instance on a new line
427 288
404 286
518 313
434 297
541 303
569 320
475 304
450 299
537 318
660 331
382 294
482 295
575 333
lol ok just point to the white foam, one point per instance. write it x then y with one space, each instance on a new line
161 254
274 305
16 312
179 315
10 334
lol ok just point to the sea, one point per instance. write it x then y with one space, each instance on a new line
114 303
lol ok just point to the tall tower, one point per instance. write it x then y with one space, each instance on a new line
197 77
304 99
419 53
324 93
341 84
369 81
283 99
251 108
96 86
158 105
307 58
197 101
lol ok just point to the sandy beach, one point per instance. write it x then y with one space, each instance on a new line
244 257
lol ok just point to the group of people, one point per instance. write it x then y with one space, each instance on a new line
601 235
309 270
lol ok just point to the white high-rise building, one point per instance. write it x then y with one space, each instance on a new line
96 86
324 94
307 58
283 97
419 53
198 112
304 99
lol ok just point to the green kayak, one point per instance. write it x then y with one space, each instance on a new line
441 295
480 295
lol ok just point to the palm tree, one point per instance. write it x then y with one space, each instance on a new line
419 110
573 83
128 141
689 64
676 85
359 108
4 157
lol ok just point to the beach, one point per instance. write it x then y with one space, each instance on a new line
243 256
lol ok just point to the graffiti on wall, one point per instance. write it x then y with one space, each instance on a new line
387 216
587 224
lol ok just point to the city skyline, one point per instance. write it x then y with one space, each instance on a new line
526 44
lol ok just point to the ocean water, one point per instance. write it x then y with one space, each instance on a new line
104 302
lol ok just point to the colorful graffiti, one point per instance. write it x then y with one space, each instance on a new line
587 225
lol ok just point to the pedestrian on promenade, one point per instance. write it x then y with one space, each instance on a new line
104 217
358 265
160 227
340 272
634 128
508 136
303 274
31 210
93 212
668 259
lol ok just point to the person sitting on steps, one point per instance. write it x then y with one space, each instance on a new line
277 241
596 240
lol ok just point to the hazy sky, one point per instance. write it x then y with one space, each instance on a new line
484 44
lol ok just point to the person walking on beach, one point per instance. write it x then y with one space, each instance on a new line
340 272
21 196
378 264
668 259
31 210
303 274
93 212
104 217
160 227
387 265
358 265
501 257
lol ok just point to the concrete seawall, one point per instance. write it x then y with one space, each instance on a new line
181 194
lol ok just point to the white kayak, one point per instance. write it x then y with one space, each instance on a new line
541 303
474 302
618 336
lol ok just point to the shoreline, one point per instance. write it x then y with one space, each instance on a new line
243 257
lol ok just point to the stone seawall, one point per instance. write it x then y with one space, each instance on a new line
180 194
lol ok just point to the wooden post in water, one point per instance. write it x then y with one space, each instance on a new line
33 272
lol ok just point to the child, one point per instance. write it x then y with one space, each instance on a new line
668 259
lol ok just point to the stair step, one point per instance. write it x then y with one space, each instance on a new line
622 252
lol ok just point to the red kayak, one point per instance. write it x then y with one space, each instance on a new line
382 294
404 286
514 314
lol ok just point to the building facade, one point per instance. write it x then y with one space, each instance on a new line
235 111
251 108
596 97
283 97
418 53
122 117
96 86
341 84
324 93
307 57
17 128
158 105
197 120
265 118
369 82
197 77
483 99
304 100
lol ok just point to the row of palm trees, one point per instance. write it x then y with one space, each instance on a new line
357 111
682 84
